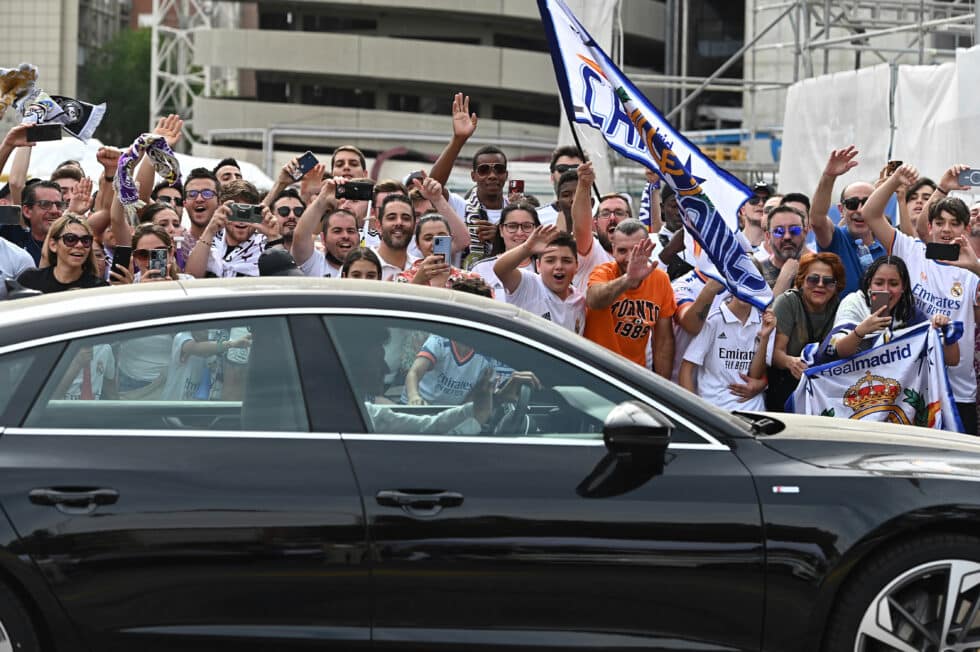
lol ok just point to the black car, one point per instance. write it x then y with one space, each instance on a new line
246 465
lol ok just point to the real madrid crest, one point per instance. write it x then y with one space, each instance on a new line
956 291
873 394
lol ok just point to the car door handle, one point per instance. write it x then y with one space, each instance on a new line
416 500
74 500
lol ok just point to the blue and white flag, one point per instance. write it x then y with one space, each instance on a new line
901 381
596 93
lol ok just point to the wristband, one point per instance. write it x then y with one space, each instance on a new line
942 191
108 178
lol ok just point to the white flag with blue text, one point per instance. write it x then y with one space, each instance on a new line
596 93
901 381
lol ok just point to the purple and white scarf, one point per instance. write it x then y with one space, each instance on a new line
164 162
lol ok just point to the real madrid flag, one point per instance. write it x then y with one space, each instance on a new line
900 381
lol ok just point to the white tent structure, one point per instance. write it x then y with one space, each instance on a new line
924 115
46 156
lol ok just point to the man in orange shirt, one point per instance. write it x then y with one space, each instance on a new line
628 299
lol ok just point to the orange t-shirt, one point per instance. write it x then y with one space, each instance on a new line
626 325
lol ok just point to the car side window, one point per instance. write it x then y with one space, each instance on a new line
236 374
427 377
13 370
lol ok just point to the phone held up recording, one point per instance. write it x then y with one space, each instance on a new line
942 251
442 245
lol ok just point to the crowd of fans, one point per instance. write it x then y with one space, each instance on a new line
585 264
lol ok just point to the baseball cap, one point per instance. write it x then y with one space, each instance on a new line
762 188
278 262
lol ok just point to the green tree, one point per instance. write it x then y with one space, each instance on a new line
119 75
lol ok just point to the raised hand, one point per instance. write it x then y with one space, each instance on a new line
540 238
464 122
286 173
840 161
170 128
269 226
639 266
81 201
430 188
108 157
586 175
906 175
768 324
950 179
312 182
873 323
17 137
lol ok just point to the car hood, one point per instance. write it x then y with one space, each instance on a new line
880 448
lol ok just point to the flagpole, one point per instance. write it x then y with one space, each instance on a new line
581 154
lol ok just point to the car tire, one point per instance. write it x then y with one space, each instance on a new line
16 629
897 600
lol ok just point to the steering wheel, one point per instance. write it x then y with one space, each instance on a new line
514 413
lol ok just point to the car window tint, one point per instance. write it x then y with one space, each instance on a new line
217 375
424 377
13 370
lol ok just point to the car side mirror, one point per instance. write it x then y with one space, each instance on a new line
635 427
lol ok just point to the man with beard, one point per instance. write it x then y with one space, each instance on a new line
200 202
340 234
847 240
41 206
629 301
288 207
786 241
372 235
481 211
229 248
397 229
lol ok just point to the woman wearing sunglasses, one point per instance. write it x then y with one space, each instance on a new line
71 262
517 222
151 243
432 269
804 314
884 301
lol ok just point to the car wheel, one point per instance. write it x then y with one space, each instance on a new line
920 596
16 630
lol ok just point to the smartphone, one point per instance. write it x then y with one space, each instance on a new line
442 244
969 177
892 166
942 251
121 256
420 175
515 185
158 261
879 298
357 190
306 163
10 215
248 213
39 133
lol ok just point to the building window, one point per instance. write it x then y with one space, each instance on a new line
324 95
523 114
317 23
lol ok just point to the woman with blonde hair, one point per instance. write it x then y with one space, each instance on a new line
70 261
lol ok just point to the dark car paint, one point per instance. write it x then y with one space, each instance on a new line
813 538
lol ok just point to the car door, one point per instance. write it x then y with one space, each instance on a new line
524 531
168 485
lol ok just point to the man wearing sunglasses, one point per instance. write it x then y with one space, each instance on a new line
752 216
41 206
288 207
170 194
481 211
786 241
227 247
201 201
848 239
564 159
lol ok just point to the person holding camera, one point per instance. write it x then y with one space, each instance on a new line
235 237
943 272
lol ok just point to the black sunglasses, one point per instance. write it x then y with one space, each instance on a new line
70 239
483 169
284 211
852 203
562 168
167 199
813 280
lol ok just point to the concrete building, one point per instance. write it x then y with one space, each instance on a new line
45 33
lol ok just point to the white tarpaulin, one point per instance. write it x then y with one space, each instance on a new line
832 111
46 156
936 120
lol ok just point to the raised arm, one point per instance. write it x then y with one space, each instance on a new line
464 124
283 181
758 367
168 127
874 210
691 316
840 161
16 137
431 189
18 174
310 222
506 267
582 209
602 295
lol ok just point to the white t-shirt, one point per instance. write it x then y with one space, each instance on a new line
317 265
485 269
389 271
145 358
241 260
453 374
686 290
722 350
13 260
940 288
186 371
101 368
532 295
596 256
